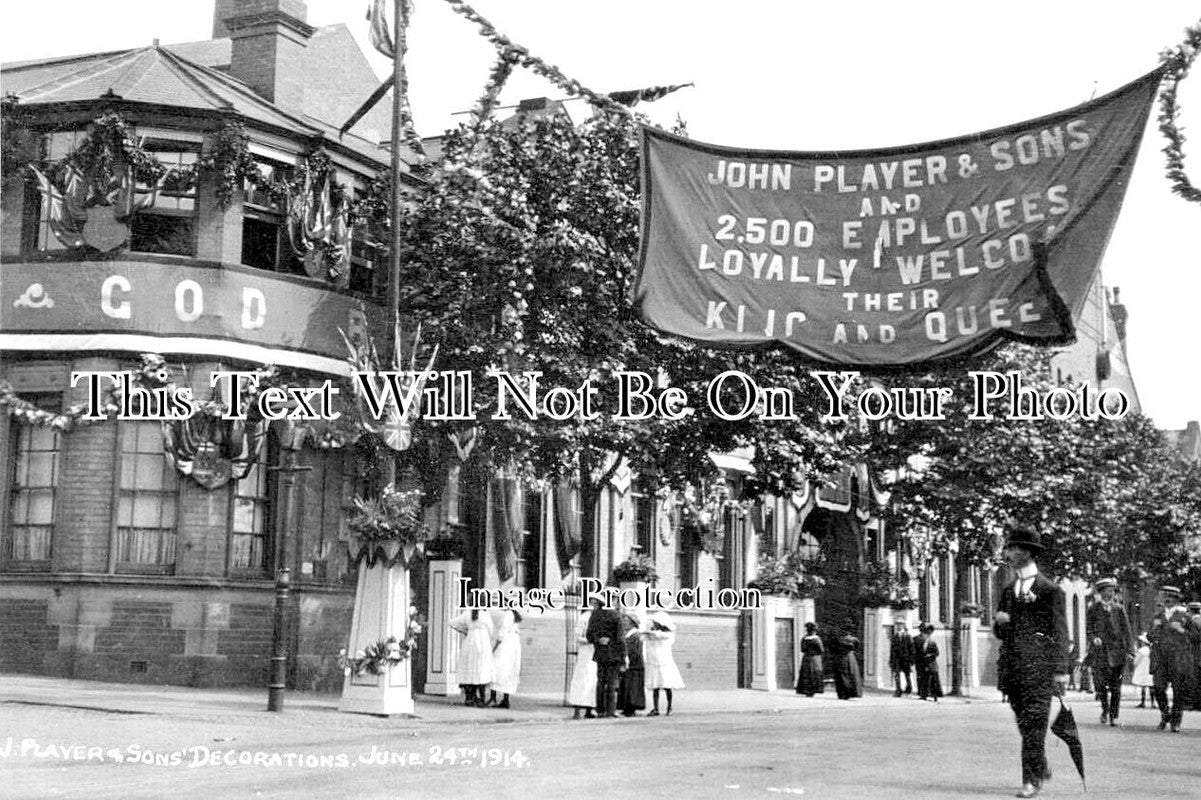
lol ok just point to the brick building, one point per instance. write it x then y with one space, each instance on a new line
113 564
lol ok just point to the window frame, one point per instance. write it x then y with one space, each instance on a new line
8 560
115 564
269 500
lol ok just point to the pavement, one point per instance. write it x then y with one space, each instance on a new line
78 739
192 703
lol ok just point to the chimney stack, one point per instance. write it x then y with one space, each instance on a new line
268 40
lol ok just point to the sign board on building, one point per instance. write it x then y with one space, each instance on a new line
214 310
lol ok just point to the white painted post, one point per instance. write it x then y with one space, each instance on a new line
381 609
442 655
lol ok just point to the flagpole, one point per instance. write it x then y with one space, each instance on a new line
388 467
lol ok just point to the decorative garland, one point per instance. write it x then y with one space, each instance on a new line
149 374
704 517
378 656
521 56
230 158
1177 61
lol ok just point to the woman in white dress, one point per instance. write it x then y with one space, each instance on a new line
506 658
582 693
475 654
661 670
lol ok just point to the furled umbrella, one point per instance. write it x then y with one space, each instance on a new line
1065 728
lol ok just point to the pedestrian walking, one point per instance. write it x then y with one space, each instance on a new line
632 691
811 678
847 681
474 670
1032 663
1172 637
1194 612
1110 647
900 657
609 652
582 693
921 666
929 681
506 658
1141 677
661 669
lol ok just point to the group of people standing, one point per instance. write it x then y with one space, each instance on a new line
915 654
489 656
621 654
811 679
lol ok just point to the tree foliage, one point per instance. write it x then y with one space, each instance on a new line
1109 496
521 257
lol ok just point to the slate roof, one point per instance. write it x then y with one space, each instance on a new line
194 76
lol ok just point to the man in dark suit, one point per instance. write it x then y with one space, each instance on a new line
609 652
1110 645
1172 636
1032 664
900 657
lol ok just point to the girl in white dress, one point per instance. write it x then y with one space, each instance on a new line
506 658
582 693
1142 669
475 654
661 670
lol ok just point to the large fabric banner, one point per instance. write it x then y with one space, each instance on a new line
888 257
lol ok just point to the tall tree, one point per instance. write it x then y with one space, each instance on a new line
521 257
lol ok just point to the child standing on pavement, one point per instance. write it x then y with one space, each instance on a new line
1142 669
661 670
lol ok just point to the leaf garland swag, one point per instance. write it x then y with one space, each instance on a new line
1177 61
378 656
513 54
150 373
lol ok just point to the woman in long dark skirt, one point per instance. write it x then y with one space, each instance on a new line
809 679
927 656
846 668
631 696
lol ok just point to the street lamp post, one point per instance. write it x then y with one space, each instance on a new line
287 469
279 651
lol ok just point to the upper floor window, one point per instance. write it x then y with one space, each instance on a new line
35 459
644 521
265 242
169 225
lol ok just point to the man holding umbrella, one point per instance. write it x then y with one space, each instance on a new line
1032 664
1110 645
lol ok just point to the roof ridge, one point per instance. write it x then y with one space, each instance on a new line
37 63
83 73
180 66
234 85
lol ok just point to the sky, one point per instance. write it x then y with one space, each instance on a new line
792 76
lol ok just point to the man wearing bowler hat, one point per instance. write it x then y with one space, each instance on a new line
1172 637
1109 646
1032 663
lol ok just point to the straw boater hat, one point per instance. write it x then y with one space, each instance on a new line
1167 589
1103 582
1026 538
